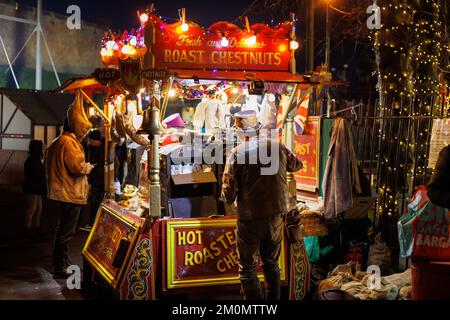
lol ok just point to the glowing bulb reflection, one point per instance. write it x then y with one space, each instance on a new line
224 42
110 45
294 45
184 27
251 41
144 18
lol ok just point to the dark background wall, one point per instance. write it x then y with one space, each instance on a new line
75 52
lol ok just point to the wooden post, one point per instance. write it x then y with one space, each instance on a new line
149 38
293 66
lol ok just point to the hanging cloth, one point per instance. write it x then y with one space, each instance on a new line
341 176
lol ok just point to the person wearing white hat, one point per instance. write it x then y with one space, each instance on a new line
260 190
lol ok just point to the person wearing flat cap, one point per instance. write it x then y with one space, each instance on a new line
260 190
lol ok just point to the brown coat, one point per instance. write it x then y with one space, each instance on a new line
259 193
67 170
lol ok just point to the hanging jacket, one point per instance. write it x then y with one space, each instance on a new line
341 177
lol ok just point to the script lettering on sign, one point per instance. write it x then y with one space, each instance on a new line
103 242
199 49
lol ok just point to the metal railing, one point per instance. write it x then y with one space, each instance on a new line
393 150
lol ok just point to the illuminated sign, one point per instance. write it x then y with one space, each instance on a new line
103 243
202 252
307 148
221 46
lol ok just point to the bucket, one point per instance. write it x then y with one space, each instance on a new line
430 279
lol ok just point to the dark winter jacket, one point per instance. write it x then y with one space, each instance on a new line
439 185
96 155
34 175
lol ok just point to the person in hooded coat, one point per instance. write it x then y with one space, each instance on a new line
67 181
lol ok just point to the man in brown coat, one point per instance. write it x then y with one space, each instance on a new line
255 177
67 184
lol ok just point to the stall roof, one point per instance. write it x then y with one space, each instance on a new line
90 83
41 107
268 76
79 83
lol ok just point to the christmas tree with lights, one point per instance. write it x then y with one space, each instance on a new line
410 50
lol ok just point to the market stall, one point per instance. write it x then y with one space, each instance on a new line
170 232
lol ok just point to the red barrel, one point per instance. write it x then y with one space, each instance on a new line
430 279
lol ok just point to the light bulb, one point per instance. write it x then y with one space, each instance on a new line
184 27
104 52
127 49
110 45
294 45
133 41
235 91
251 41
224 42
172 93
131 107
144 18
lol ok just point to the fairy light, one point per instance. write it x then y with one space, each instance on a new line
422 51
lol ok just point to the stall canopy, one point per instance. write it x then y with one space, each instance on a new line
85 83
239 75
30 114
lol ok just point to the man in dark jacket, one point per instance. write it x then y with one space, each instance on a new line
259 186
34 186
96 156
439 185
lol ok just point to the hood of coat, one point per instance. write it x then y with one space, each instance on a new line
77 118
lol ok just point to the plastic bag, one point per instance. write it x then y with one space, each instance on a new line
431 233
405 223
379 254
312 248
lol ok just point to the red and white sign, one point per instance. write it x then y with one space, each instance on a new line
223 46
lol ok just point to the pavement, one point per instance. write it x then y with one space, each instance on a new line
26 266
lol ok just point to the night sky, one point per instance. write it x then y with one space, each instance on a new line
121 14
